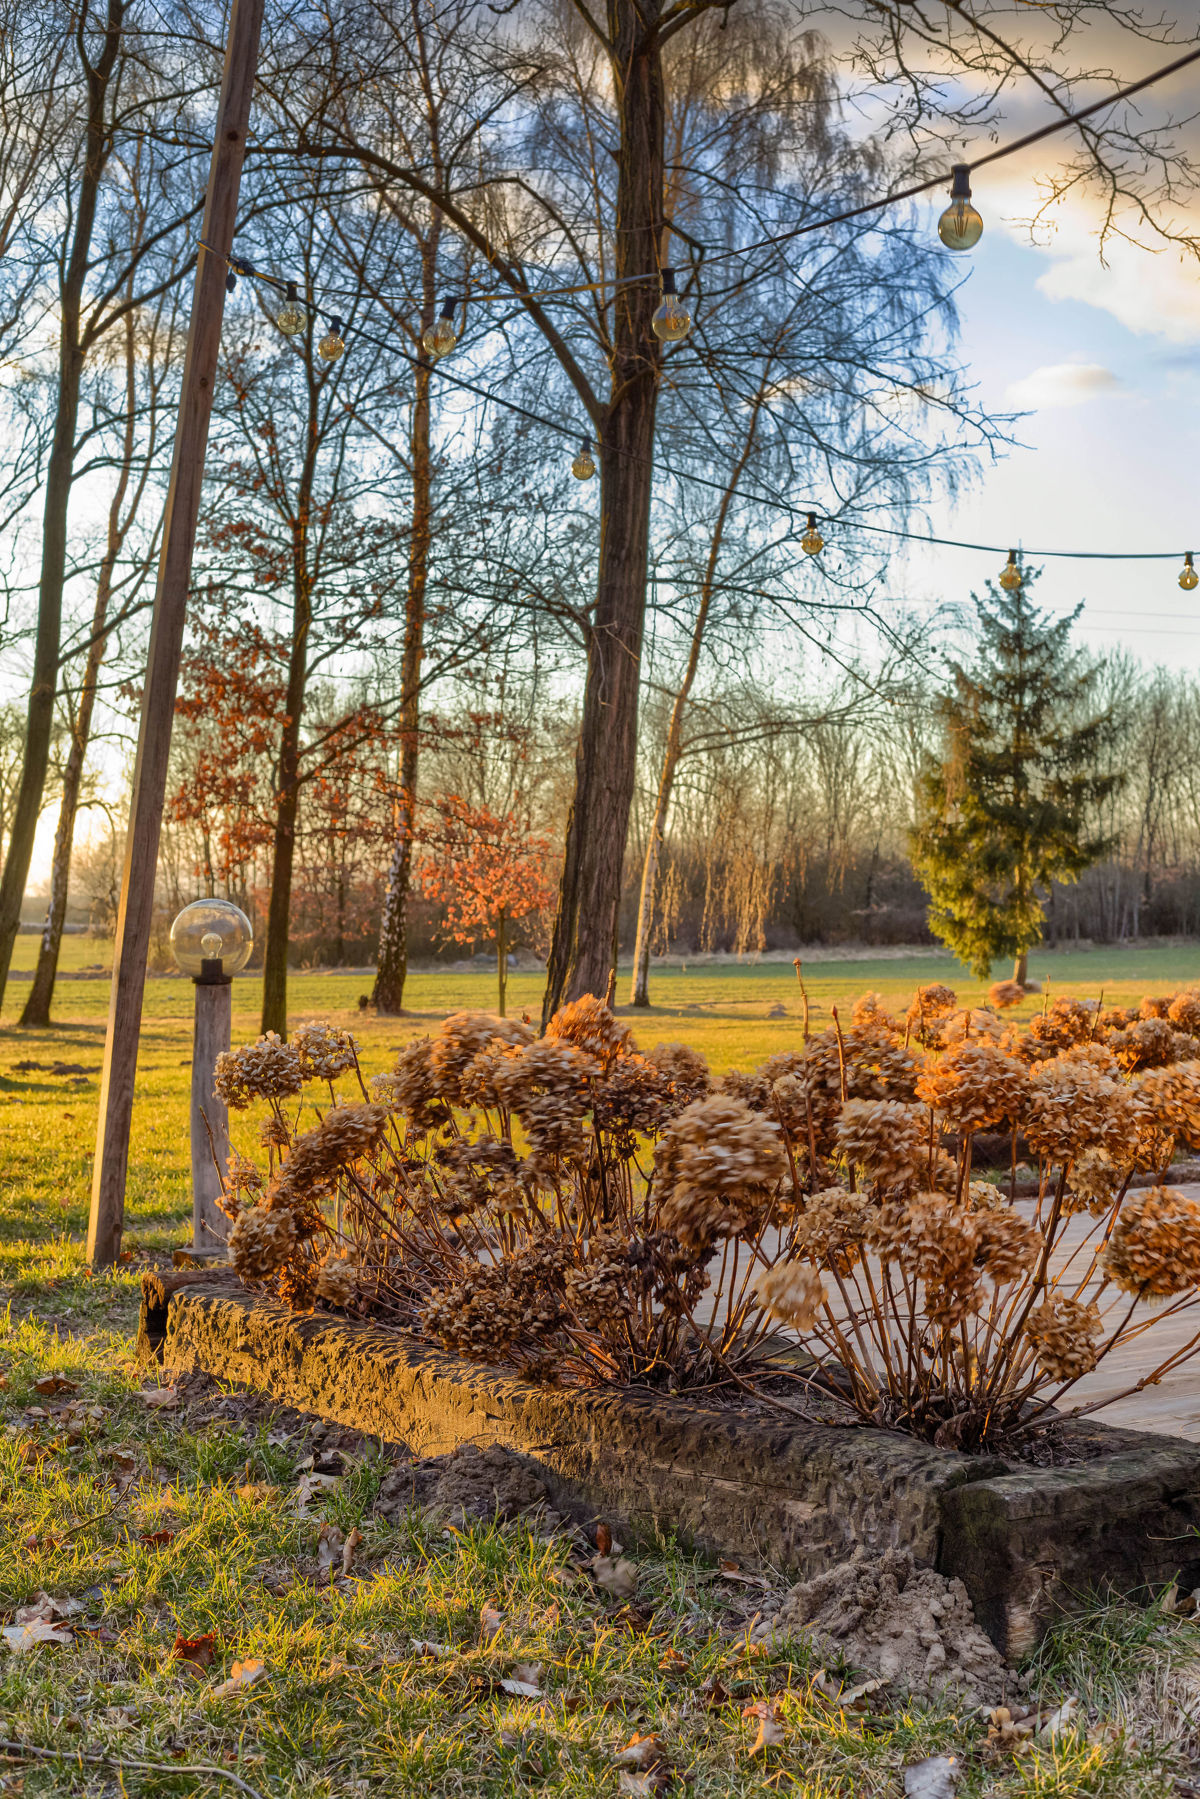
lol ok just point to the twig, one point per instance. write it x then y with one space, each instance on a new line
99 1758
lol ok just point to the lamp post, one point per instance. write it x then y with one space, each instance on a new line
211 940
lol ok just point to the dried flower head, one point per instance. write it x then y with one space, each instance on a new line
261 1242
600 1291
1172 1097
1073 1107
974 1086
1065 1333
1093 1183
977 1025
589 1025
268 1069
242 1175
934 1238
1154 1249
460 1040
337 1278
633 1100
324 1051
1147 1043
685 1069
931 1006
832 1228
870 1009
1008 1245
1184 1010
717 1166
792 1292
343 1135
882 1137
412 1088
1155 1006
1004 994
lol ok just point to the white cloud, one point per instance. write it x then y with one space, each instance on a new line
1062 384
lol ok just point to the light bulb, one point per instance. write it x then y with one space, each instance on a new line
1011 577
230 282
812 543
441 336
960 226
291 317
331 345
584 466
211 945
1187 574
671 321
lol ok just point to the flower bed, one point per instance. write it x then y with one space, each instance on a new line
588 1216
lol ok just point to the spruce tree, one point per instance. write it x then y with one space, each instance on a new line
1007 809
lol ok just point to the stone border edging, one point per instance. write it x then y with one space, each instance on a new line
1026 1541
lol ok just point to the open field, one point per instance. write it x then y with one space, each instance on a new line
736 1015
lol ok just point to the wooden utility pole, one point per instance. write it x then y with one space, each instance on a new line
134 920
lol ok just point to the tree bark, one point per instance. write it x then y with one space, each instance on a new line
60 469
502 957
582 949
41 994
391 969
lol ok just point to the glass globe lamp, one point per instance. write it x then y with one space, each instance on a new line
671 321
1188 577
211 940
291 317
1011 577
960 226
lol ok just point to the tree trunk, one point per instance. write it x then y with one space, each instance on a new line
392 964
1021 968
59 475
585 925
41 994
502 956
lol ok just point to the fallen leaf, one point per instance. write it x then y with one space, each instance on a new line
348 1547
241 1675
770 1729
713 1693
422 1646
253 1490
23 1637
163 1399
640 1752
934 1778
157 1539
329 1551
310 1486
1060 1720
671 1662
491 1622
853 1696
199 1651
521 1689
655 1780
49 1384
616 1577
603 1540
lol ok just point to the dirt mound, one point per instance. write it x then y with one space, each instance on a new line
906 1624
477 1483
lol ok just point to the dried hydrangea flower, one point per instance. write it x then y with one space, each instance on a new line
753 1089
931 1006
589 1025
1147 1043
717 1166
1184 1010
1172 1096
344 1135
633 1100
1092 1184
938 1241
324 1051
600 1290
261 1242
974 1086
274 1133
1008 1245
980 1025
1072 1107
1065 1334
832 1228
882 1137
1065 1022
460 1040
1004 994
337 1278
1154 1249
268 1069
412 1088
792 1292
871 1009
685 1068
242 1175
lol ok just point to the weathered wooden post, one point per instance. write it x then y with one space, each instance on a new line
136 913
211 940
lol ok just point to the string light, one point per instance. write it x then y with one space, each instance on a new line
960 226
332 345
441 336
671 321
291 317
230 282
1011 578
584 465
1187 574
812 543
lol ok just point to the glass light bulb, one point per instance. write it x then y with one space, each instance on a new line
1011 577
291 317
440 338
960 226
584 465
671 321
211 944
1188 577
812 543
331 346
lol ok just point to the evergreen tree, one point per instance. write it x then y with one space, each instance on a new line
1007 809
